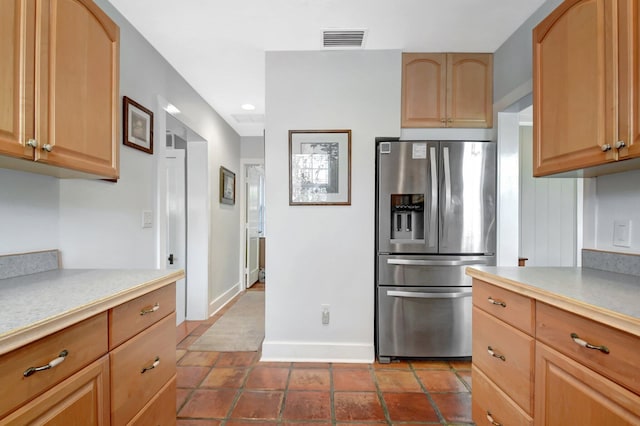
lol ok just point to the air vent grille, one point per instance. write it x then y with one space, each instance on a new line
248 118
343 38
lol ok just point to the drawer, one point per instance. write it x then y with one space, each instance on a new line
489 402
161 410
129 319
133 381
511 365
554 327
84 342
84 395
512 308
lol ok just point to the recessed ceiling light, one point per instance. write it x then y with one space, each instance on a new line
171 109
248 107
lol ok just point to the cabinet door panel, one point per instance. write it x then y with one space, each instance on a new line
16 77
470 94
424 82
574 77
80 94
568 393
629 104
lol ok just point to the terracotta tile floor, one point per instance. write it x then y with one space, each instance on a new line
235 389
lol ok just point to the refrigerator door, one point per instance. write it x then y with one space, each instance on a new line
424 322
407 197
467 198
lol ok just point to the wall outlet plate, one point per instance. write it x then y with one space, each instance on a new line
325 314
622 233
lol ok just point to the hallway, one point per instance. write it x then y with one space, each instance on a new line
235 388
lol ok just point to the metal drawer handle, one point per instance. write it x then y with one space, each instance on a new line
588 345
495 355
156 363
150 310
29 371
490 418
496 302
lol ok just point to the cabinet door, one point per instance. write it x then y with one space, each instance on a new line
424 79
16 77
470 90
629 72
79 64
82 399
574 75
567 393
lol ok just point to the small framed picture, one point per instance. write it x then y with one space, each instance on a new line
319 167
227 186
138 126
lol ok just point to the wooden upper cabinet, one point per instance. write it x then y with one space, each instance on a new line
60 85
16 77
447 90
585 84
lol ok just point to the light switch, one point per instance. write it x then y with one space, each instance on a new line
147 219
622 233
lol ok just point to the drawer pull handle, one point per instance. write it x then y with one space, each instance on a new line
495 355
496 302
490 418
156 362
29 371
588 345
150 310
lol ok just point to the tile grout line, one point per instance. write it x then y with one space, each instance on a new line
383 403
428 394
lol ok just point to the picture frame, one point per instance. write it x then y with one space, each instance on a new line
319 167
137 126
227 186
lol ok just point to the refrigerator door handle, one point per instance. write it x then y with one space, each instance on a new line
420 262
447 193
433 229
418 295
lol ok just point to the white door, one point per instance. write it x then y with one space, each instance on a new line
176 225
252 223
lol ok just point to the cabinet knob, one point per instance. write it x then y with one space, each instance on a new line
620 145
32 143
605 147
47 147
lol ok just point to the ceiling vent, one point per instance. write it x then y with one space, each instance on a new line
340 39
248 118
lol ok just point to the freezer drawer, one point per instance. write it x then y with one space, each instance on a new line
432 271
432 322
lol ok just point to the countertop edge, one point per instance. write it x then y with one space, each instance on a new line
611 318
35 331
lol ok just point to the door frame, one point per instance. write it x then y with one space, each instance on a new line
244 163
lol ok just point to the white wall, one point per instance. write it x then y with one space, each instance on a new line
252 147
97 224
325 254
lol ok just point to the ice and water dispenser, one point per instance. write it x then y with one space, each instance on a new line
407 217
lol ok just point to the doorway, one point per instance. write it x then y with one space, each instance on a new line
253 233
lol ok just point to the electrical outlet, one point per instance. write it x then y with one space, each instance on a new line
325 314
622 233
147 219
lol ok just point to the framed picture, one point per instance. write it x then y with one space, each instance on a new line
138 126
227 186
319 167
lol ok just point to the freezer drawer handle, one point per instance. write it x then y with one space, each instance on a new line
588 345
490 418
412 262
413 294
494 354
496 302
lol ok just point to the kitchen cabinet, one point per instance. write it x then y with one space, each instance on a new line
585 87
583 371
59 88
447 90
116 367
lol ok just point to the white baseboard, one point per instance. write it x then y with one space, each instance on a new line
219 302
317 352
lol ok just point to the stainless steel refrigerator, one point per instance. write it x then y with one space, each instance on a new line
435 215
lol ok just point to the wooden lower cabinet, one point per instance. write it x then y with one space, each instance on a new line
568 393
161 410
491 405
82 400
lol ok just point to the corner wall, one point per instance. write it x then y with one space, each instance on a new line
325 254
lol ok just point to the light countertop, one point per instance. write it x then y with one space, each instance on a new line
607 297
38 304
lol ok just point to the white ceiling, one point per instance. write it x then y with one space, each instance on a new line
219 46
